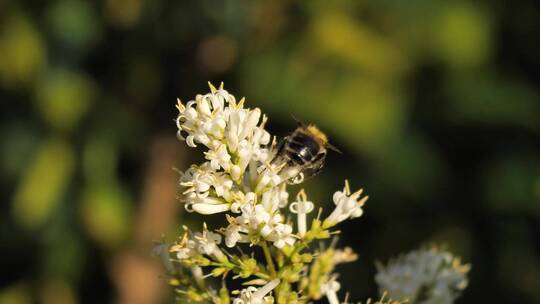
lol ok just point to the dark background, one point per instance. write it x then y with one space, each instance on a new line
435 105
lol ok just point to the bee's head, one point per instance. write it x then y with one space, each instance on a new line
316 133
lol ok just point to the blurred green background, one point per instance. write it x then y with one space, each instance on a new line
435 105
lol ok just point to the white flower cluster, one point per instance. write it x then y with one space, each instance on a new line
238 176
243 178
425 276
235 139
205 243
261 219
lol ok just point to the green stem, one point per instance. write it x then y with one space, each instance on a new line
297 249
268 258
237 269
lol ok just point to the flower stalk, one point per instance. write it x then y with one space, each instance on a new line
269 260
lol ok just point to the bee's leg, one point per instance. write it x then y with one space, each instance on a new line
297 179
314 169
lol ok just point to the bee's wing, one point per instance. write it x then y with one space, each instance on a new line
298 121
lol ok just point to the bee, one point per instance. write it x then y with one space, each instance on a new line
302 152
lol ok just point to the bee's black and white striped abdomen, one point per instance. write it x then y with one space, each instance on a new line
299 149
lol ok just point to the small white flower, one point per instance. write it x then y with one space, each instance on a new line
267 179
282 235
233 235
204 204
301 207
330 289
219 158
207 191
253 215
347 206
245 152
223 186
253 295
197 179
208 244
185 249
275 198
260 139
186 252
240 199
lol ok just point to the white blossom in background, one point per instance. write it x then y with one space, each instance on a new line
426 276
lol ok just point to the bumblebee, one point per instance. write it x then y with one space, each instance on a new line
303 152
